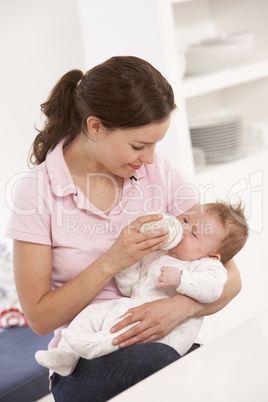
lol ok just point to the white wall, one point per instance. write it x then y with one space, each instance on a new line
127 27
40 40
121 27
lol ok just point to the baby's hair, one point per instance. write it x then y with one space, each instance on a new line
235 225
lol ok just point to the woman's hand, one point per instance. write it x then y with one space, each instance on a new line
131 245
158 318
154 320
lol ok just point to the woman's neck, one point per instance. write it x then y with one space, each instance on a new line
100 186
79 157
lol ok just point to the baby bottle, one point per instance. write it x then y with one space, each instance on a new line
169 222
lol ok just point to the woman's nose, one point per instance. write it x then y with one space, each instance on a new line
148 155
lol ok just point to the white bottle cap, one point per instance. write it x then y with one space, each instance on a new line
169 222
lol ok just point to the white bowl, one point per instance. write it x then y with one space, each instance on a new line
202 59
245 38
223 51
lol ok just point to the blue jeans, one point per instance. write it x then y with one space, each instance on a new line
100 379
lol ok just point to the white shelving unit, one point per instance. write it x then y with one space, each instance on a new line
242 90
156 30
237 90
201 85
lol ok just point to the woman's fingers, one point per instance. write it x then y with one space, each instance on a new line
142 336
137 223
136 334
154 320
150 325
139 237
147 241
132 245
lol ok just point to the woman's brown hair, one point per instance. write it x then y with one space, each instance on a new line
123 92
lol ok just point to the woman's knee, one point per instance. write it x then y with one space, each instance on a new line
147 358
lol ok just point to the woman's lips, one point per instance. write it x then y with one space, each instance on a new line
135 167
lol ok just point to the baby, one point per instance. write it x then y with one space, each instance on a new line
212 235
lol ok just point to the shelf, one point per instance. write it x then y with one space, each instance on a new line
201 85
226 170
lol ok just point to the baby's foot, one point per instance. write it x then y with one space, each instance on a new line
61 361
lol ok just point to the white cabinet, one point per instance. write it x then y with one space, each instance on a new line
241 90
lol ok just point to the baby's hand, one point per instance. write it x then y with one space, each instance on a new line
170 277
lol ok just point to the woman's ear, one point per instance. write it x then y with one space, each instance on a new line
94 127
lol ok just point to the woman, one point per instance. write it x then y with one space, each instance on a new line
78 215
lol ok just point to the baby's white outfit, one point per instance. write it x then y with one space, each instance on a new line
88 335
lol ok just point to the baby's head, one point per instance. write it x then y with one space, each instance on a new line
235 226
215 230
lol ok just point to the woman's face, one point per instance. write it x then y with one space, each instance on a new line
123 151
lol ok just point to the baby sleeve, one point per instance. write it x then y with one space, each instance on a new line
203 280
127 278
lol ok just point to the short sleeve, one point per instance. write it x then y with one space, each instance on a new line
30 217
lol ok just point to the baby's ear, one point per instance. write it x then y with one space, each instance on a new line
213 256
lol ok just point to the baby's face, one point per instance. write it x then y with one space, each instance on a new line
202 234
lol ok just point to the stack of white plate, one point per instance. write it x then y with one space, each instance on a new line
221 138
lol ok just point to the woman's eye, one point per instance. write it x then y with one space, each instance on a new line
185 220
137 148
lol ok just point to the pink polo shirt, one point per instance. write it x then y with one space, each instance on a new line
49 209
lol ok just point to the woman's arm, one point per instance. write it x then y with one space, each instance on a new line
158 318
47 309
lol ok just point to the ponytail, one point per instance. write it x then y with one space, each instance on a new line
62 118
